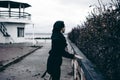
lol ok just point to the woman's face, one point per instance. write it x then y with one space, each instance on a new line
63 30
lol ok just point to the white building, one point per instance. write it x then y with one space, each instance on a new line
13 19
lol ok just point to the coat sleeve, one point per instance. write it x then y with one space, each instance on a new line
67 55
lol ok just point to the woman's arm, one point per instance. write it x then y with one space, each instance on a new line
68 55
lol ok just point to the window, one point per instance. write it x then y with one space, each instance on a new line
20 32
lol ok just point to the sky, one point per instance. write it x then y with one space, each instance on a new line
46 12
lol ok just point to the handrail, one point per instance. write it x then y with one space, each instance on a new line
3 29
86 69
15 14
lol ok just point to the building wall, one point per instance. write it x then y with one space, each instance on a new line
2 39
12 30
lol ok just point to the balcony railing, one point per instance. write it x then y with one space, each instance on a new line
83 68
15 15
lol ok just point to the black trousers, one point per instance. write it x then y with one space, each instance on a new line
56 74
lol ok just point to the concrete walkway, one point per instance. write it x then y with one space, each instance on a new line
34 65
10 53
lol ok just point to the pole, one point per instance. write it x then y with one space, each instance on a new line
75 69
33 36
9 9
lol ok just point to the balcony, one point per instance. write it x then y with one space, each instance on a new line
7 13
14 16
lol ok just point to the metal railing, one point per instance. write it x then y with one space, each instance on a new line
83 68
3 29
15 14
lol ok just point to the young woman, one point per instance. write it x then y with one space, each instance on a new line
57 51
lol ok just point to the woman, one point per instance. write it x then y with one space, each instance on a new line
57 50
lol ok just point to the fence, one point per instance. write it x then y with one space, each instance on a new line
15 14
84 69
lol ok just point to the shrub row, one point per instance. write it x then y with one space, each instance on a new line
99 39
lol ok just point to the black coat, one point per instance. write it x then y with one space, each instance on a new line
57 52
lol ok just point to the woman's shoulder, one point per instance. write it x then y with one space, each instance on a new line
57 36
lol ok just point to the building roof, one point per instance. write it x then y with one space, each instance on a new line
13 4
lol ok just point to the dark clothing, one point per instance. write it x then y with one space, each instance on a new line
55 55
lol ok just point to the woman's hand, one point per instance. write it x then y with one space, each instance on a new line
78 56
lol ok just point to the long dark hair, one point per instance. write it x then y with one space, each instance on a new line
58 25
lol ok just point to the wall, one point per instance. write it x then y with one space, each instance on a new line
12 30
2 39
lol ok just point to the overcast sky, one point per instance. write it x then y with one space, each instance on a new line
46 12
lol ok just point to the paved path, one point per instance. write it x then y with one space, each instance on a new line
33 66
10 52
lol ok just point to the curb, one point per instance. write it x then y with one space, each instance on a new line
2 68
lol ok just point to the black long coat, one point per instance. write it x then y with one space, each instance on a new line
57 52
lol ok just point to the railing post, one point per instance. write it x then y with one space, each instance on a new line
82 74
9 9
20 11
74 70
